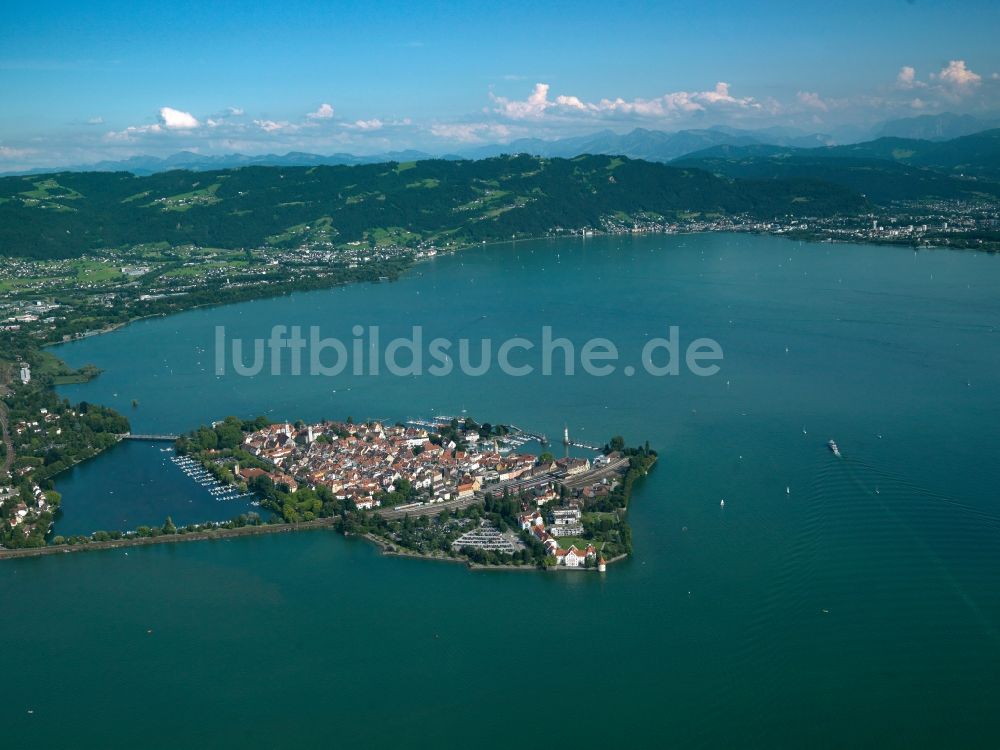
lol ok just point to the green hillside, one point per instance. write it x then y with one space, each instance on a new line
971 155
884 170
70 213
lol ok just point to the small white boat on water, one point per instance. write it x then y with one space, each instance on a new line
722 503
832 445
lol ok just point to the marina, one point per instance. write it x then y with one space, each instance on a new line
220 491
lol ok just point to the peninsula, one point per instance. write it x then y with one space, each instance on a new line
448 488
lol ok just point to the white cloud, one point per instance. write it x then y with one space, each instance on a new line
272 126
132 132
538 104
812 100
907 78
225 117
95 121
572 102
325 112
175 119
7 152
372 124
720 95
958 77
532 107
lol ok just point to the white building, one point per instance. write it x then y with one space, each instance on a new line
575 558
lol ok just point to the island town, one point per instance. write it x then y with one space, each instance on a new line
446 488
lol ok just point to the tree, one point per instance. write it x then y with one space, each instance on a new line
168 526
207 438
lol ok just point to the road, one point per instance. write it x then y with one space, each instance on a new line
8 460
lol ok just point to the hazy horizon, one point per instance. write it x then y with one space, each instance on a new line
102 82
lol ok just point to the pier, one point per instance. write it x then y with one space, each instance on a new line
568 443
536 436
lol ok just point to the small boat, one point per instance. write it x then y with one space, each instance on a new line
722 503
832 445
788 490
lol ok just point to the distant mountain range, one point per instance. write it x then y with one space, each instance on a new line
472 200
648 145
955 144
936 127
884 169
147 165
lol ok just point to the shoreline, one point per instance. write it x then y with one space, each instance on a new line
385 548
194 536
390 550
455 250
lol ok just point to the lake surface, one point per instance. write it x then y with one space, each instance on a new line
831 603
137 484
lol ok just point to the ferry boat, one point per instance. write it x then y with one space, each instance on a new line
832 445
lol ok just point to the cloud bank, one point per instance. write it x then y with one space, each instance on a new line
538 104
541 112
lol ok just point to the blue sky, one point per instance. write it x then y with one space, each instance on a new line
86 81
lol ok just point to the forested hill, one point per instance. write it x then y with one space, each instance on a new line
71 213
884 170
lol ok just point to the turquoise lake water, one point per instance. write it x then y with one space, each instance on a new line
859 608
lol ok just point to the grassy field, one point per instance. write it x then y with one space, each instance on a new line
95 271
566 541
61 373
